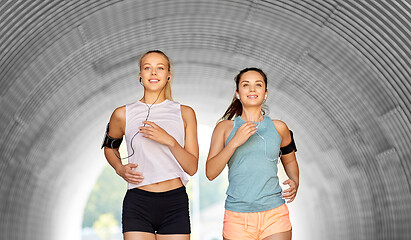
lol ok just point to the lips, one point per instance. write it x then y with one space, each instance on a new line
153 80
252 96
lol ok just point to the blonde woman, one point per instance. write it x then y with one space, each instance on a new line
161 138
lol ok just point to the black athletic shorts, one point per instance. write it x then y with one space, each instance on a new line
153 212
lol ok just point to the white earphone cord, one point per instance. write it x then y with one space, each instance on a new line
131 142
265 145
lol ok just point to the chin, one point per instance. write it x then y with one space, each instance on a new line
252 104
154 88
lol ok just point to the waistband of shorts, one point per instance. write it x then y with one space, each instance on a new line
158 194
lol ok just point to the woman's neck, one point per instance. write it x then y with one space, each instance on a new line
153 97
252 114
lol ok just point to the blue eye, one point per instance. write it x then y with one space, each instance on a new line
160 68
146 68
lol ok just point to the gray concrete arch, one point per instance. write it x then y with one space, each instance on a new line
339 76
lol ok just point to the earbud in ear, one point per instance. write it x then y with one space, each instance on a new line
140 79
168 78
238 96
265 97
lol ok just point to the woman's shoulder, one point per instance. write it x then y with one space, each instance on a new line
223 129
187 109
118 118
224 125
281 126
120 112
188 114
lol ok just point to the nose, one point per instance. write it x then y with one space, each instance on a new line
153 72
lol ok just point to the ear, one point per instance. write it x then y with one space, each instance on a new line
237 95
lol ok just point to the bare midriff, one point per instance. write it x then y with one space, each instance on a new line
163 186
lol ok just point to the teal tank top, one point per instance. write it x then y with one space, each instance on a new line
252 170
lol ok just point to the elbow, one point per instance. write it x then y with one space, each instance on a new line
192 171
192 168
210 176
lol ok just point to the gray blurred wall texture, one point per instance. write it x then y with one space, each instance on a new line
339 76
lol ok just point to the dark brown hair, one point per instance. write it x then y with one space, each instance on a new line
236 108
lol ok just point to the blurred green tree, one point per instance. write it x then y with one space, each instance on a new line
104 225
211 192
106 197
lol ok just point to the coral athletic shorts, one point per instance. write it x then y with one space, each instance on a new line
256 225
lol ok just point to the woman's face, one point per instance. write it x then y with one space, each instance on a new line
154 72
251 89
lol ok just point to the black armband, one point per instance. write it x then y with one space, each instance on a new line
110 141
290 147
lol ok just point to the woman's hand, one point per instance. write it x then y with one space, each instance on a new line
290 193
130 175
243 133
156 133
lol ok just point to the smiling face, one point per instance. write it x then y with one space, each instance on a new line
251 89
154 71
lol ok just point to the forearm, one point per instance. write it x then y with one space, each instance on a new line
112 159
292 171
216 164
187 161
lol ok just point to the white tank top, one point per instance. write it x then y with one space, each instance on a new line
155 161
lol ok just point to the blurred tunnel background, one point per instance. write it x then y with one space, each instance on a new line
339 76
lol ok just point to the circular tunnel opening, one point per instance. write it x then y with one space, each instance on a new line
338 76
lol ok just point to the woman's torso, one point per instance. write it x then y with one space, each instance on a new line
253 181
160 169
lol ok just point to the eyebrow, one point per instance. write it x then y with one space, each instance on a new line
156 64
249 81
